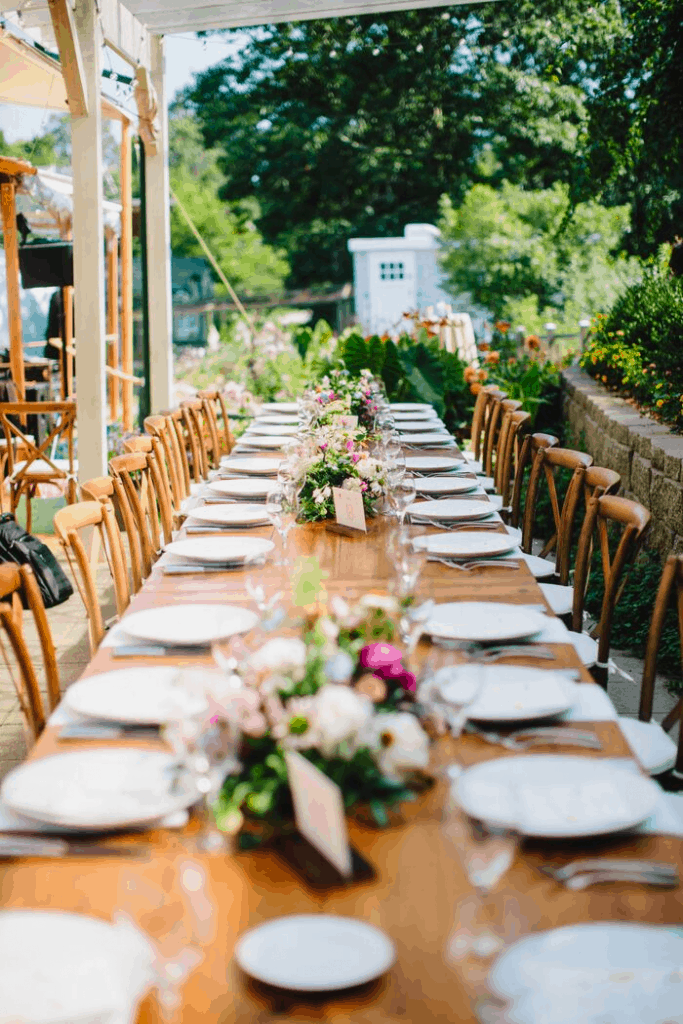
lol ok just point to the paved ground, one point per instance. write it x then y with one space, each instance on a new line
69 630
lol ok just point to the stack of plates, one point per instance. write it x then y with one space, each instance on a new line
508 693
455 509
257 441
466 545
191 625
433 464
252 467
446 485
242 490
139 696
421 407
427 440
230 551
484 622
279 430
239 514
276 419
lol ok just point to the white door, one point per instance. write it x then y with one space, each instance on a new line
392 289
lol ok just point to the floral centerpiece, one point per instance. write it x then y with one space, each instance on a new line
340 394
340 696
335 456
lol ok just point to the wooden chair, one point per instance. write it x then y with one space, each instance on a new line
30 464
162 428
491 428
516 424
19 590
630 520
546 461
479 416
110 488
178 422
527 454
69 523
156 483
217 413
199 436
655 750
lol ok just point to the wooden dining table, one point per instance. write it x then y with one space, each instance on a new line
419 890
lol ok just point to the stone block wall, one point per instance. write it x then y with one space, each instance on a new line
646 453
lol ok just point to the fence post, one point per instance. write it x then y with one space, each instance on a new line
584 330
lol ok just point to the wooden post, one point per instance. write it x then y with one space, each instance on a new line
68 342
113 321
126 275
88 231
9 229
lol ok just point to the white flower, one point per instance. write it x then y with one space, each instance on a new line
339 668
340 714
400 743
382 601
352 483
297 727
282 653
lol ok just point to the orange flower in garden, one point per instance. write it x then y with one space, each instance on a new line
532 343
475 388
503 326
484 346
511 361
470 374
482 375
660 403
492 357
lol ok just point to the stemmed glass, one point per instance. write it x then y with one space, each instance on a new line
403 495
281 509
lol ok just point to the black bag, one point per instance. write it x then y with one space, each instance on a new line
16 545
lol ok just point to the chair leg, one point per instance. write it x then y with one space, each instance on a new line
29 508
600 674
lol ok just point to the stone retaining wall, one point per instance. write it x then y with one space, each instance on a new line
646 453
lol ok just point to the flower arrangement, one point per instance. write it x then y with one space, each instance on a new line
335 456
337 694
340 394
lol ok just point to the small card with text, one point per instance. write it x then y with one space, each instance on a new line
319 812
349 509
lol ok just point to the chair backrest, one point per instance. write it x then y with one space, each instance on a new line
69 523
198 433
516 424
670 587
159 492
546 461
162 428
218 412
491 428
632 520
527 453
110 488
32 453
482 404
596 481
178 422
18 589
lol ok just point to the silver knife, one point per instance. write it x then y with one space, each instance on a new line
39 846
156 651
185 570
107 731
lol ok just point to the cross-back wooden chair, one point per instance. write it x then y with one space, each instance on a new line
19 590
70 524
491 429
29 463
543 470
527 453
199 435
177 421
110 488
162 428
482 406
516 424
156 484
630 521
217 413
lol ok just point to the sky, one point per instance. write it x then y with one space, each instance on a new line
185 55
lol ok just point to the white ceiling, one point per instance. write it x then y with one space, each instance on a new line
169 16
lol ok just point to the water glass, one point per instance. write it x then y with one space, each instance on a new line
281 509
403 495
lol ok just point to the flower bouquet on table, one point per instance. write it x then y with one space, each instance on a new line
336 694
336 457
340 394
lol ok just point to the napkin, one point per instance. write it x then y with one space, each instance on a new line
592 705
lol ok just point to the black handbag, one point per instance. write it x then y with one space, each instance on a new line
16 545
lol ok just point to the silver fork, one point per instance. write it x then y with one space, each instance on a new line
590 865
469 566
526 738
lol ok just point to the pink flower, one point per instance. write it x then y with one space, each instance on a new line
382 659
323 446
355 457
349 445
407 680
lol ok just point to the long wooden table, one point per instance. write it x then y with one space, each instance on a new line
419 886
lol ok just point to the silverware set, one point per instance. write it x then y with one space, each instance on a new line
499 563
108 731
19 845
579 874
525 739
189 570
446 524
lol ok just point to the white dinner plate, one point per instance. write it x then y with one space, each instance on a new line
142 696
98 788
315 952
474 544
443 485
509 693
270 431
253 467
433 464
289 419
257 487
450 508
411 407
423 415
57 968
190 625
595 972
427 440
418 426
258 441
557 796
230 550
280 407
231 515
484 622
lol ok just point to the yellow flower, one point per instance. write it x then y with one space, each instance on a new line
660 403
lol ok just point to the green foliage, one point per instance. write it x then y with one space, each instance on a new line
251 266
522 253
356 126
536 383
636 348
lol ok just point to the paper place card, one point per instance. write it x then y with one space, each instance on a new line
319 812
348 508
347 421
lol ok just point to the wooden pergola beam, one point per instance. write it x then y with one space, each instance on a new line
11 241
70 54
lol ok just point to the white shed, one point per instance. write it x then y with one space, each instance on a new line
392 276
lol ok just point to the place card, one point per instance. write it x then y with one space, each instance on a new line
348 421
319 812
349 509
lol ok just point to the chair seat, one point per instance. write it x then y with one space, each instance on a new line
496 502
474 464
586 647
196 489
539 567
487 483
515 533
651 746
560 598
39 467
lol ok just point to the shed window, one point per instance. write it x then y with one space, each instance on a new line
391 271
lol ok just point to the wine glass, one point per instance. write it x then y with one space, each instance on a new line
409 565
403 495
281 509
